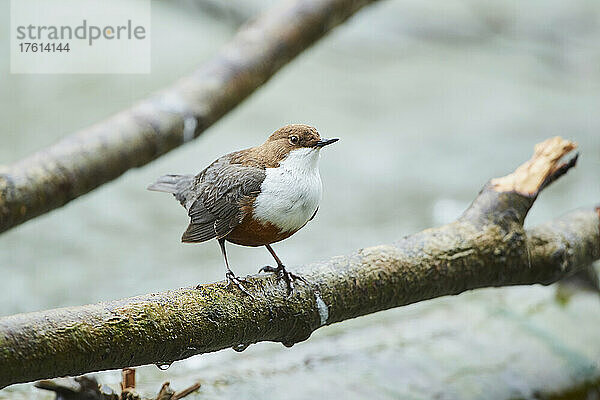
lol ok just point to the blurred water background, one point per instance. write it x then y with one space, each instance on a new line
430 100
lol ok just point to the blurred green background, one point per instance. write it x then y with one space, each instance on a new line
430 100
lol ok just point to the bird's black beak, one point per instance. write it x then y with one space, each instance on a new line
325 142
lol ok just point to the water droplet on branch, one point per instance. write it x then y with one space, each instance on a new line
241 347
163 366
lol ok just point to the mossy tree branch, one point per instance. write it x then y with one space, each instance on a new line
87 159
486 246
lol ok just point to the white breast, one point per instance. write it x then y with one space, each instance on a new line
290 193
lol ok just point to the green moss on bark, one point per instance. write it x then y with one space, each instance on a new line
164 327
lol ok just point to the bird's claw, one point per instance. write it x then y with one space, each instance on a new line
281 272
238 282
268 268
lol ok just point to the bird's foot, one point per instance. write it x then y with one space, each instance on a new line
238 282
288 277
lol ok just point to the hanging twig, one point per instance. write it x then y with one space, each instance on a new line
87 388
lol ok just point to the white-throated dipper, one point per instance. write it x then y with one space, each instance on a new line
254 197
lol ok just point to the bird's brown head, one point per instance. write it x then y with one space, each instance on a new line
298 139
296 136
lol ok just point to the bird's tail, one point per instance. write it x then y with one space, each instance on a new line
179 185
171 183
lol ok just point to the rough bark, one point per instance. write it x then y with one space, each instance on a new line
486 246
87 159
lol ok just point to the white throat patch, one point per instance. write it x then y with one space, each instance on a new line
290 193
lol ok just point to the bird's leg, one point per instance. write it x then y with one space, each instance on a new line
231 278
281 272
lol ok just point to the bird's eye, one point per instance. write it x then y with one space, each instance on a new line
294 139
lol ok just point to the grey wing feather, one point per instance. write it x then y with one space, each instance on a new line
198 233
219 192
202 232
